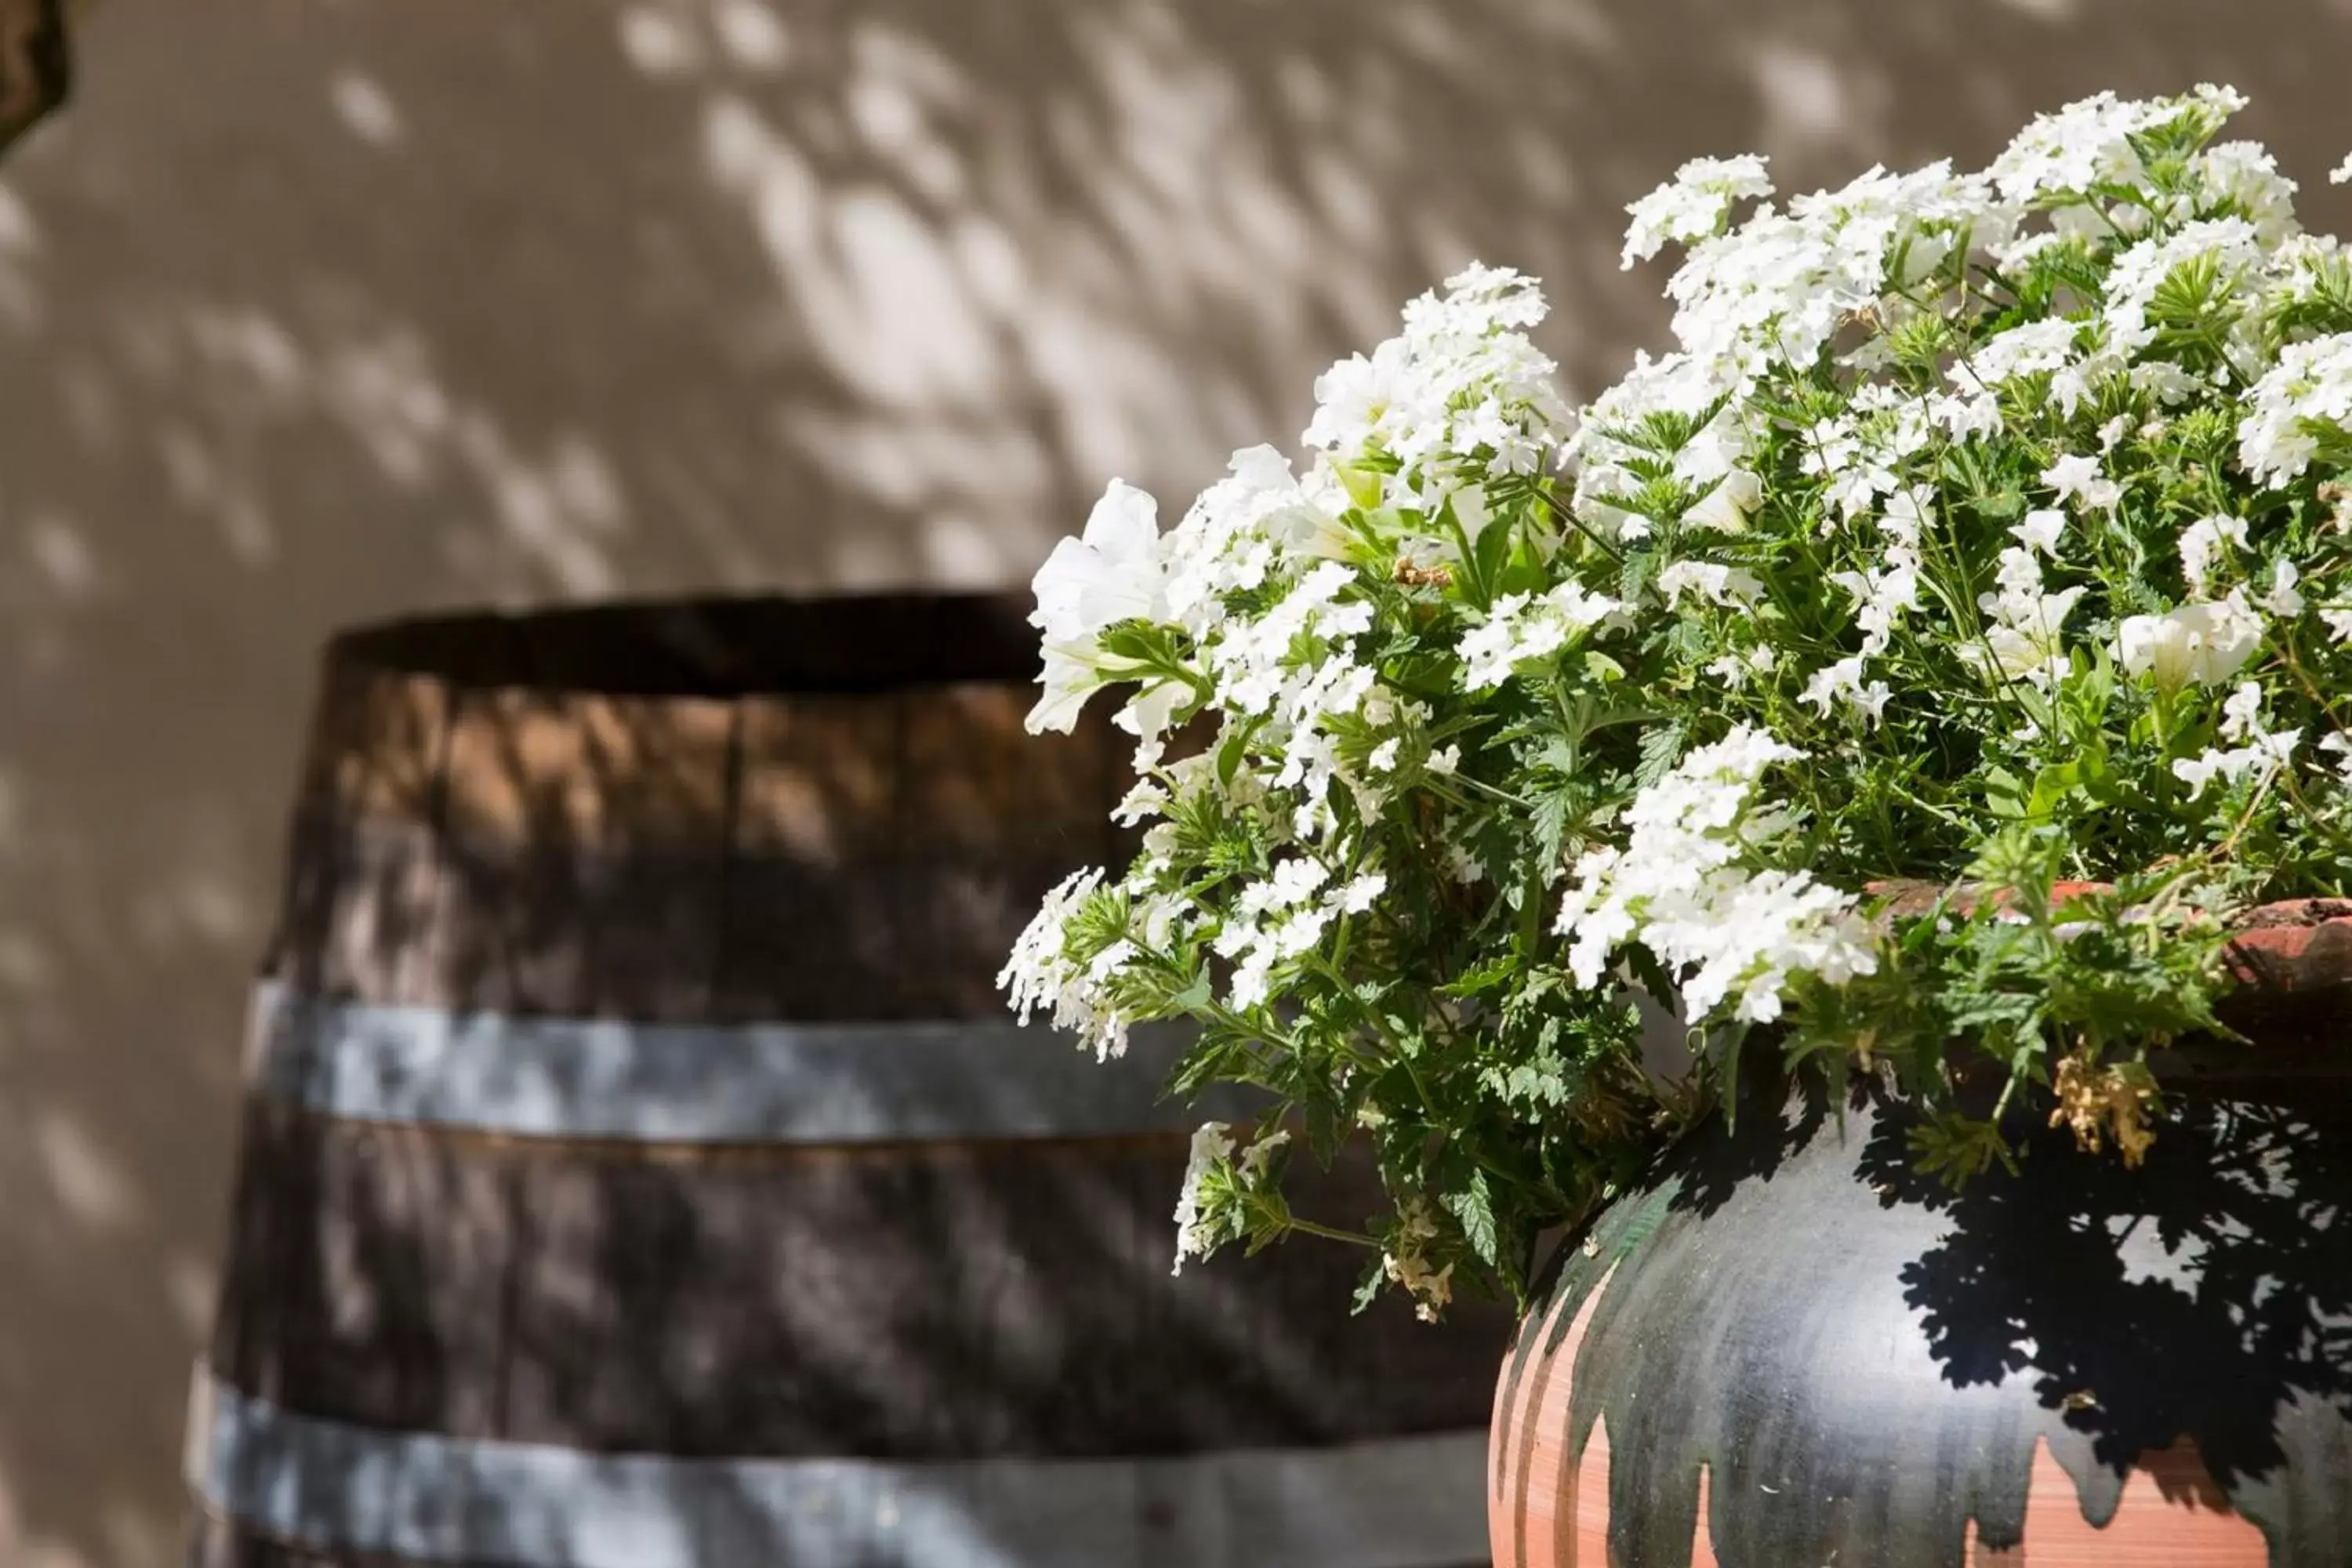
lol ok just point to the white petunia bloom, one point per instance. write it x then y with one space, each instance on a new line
2204 643
1115 571
1727 507
2074 477
2041 530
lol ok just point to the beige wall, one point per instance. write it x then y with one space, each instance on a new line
318 309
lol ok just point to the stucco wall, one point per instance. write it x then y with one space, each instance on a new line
313 310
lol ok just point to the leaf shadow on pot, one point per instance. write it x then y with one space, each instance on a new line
2205 1296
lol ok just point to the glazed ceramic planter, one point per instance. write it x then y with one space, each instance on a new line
1787 1348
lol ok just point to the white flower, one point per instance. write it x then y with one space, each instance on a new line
2242 714
2199 541
1298 931
2021 639
2341 172
1735 669
1196 1232
2284 599
2028 350
2085 143
1039 973
1443 761
2310 386
2041 530
1361 893
1149 713
1259 1156
1115 571
1462 389
2077 476
1520 628
1842 681
2205 643
1683 888
1976 418
1725 508
2341 746
1710 580
2265 755
2245 173
1408 1265
2338 623
1692 207
1071 673
1145 800
2229 246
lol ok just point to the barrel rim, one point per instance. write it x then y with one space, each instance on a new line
714 647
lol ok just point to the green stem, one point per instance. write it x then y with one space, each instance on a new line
1352 1237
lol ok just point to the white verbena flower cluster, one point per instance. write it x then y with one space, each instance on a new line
1965 505
1686 887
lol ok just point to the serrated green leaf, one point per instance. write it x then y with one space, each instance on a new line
1473 1207
1661 748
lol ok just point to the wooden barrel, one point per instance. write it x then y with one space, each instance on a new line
640 1171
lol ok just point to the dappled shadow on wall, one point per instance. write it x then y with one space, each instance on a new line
313 312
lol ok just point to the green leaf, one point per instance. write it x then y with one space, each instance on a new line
1475 1208
1231 750
1633 578
1661 748
2005 792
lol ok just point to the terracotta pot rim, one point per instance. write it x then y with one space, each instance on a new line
2284 947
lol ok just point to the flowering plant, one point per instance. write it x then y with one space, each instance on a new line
1985 529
